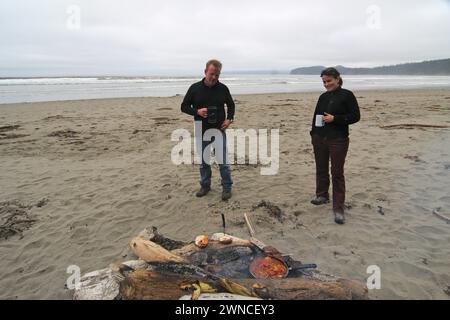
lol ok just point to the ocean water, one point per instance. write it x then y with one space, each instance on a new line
74 88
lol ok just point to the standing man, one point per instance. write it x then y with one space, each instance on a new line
206 100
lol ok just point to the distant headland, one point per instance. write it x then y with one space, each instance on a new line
433 67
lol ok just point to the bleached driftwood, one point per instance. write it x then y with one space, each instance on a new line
152 252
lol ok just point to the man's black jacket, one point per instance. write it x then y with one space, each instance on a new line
200 96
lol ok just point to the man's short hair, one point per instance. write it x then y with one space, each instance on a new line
215 63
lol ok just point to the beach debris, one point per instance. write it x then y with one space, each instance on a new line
287 100
4 136
414 158
42 203
15 217
413 125
437 107
67 133
56 117
381 210
280 105
9 128
140 130
441 215
162 120
272 209
201 241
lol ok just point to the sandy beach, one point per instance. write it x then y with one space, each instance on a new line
81 178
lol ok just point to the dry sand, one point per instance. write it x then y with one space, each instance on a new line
78 179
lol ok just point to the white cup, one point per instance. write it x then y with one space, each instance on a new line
319 120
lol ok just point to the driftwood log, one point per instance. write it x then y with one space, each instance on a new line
149 285
413 125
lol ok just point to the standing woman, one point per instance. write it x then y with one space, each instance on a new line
336 109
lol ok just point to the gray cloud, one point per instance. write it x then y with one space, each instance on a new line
148 37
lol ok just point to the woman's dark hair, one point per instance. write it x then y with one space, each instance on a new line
332 72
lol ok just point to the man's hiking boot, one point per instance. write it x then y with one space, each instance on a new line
320 200
203 191
226 194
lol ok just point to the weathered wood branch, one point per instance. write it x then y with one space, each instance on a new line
148 285
413 125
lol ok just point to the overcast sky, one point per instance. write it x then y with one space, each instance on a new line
146 37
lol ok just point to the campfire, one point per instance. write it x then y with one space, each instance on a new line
219 266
